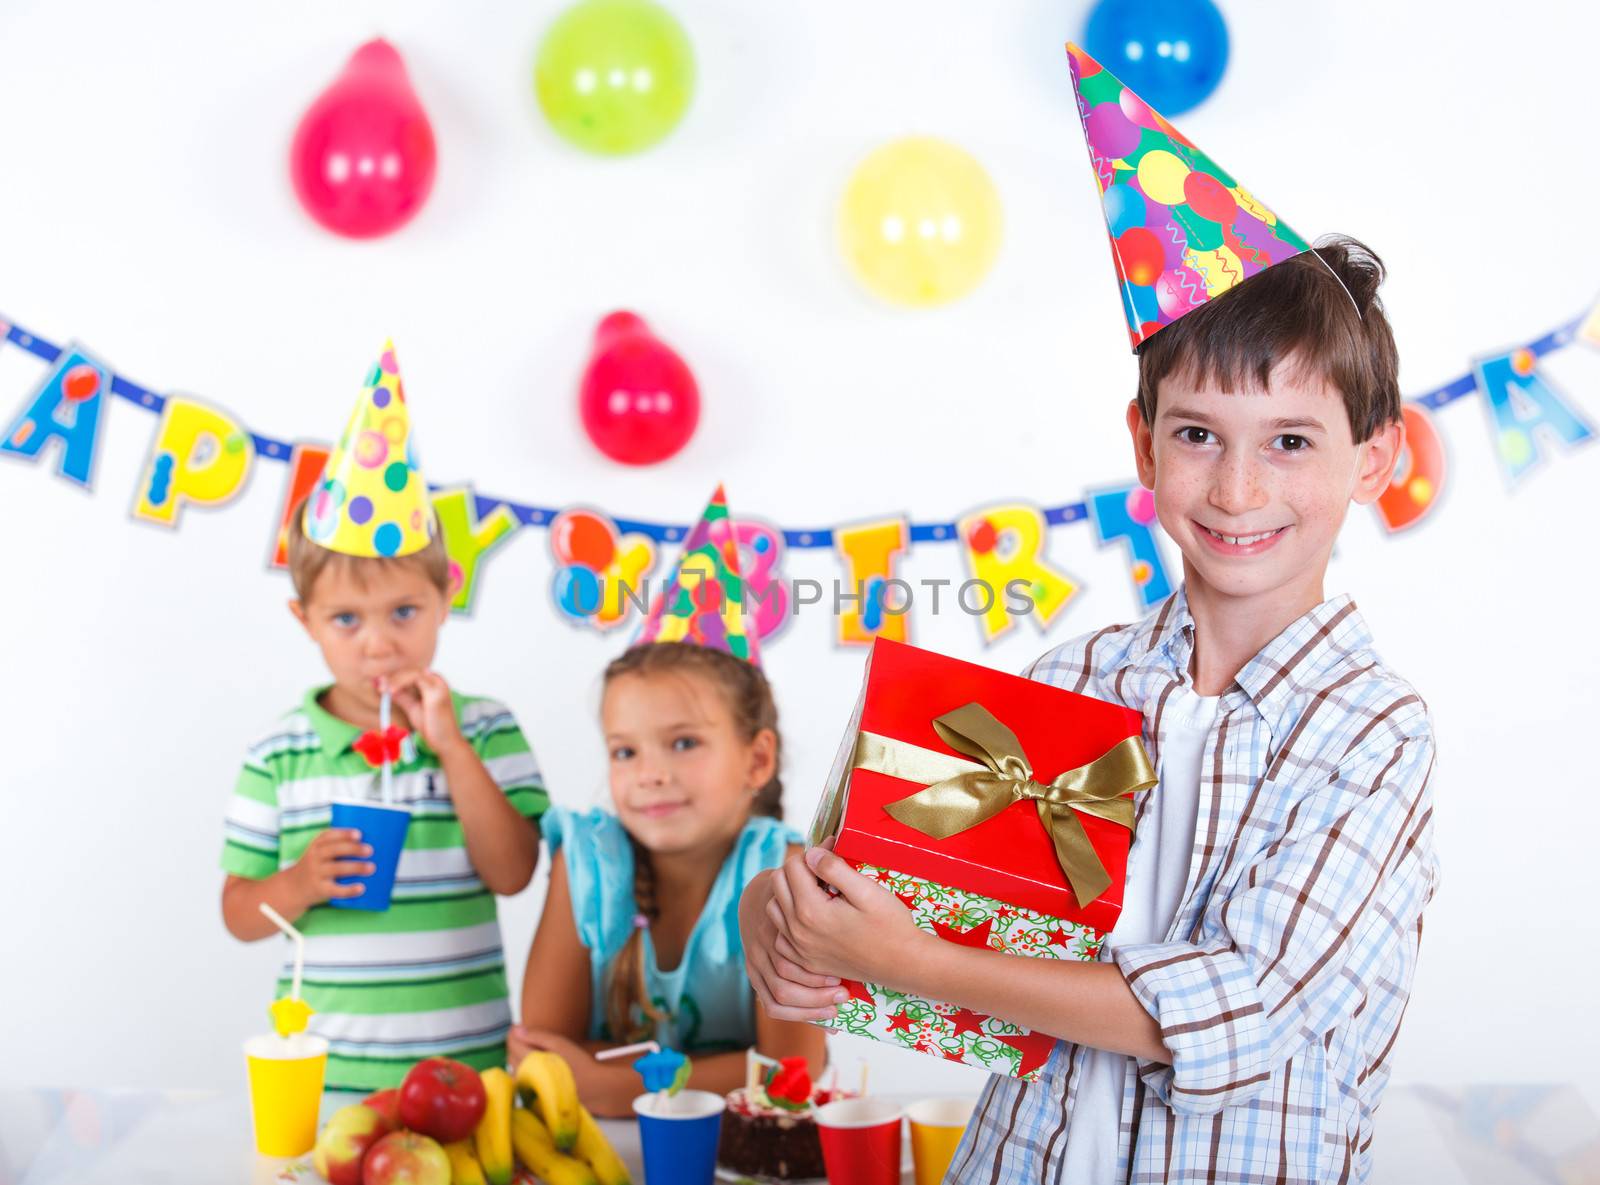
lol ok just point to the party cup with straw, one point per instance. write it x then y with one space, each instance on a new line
382 825
665 1073
678 1128
286 1067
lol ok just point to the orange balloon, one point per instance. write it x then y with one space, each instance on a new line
1420 475
582 538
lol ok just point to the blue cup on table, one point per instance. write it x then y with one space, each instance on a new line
678 1135
383 829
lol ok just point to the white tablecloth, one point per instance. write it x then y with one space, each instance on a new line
129 1137
1512 1135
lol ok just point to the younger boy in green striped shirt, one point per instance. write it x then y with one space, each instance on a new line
426 977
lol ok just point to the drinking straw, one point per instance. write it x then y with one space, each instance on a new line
383 728
624 1050
278 920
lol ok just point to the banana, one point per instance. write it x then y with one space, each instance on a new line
555 1095
593 1147
536 1148
464 1167
492 1140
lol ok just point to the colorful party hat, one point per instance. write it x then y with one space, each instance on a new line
1183 231
372 500
704 603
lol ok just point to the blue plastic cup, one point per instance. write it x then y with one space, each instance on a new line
679 1136
383 829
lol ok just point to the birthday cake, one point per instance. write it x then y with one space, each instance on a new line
770 1130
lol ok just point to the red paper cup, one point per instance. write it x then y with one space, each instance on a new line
860 1141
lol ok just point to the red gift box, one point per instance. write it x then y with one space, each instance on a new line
1010 856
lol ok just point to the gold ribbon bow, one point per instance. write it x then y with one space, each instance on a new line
960 794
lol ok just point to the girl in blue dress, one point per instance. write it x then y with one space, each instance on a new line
640 933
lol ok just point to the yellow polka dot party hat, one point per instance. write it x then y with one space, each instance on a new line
372 500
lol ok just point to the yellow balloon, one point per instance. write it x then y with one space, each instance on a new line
920 222
1161 176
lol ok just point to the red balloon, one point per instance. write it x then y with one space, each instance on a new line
1142 255
1209 198
363 157
638 400
81 382
983 537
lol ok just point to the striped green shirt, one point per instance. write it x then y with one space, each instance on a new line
426 977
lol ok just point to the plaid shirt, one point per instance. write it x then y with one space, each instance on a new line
1282 982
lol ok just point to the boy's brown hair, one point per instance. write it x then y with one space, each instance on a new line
308 560
1320 308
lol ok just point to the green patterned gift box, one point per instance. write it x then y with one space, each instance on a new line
943 1030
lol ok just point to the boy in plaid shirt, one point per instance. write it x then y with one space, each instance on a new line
1239 1024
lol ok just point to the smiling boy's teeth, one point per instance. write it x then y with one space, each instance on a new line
1241 540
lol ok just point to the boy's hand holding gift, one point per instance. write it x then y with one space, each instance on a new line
855 934
787 991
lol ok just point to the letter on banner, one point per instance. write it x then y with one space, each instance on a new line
766 603
1005 543
200 457
306 462
601 577
1418 475
1589 330
1129 513
1519 401
869 551
468 538
64 407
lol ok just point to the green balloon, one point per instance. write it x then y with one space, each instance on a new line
614 76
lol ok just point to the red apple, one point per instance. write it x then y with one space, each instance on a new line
442 1099
385 1103
405 1158
344 1141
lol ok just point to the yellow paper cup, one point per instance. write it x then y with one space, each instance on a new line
936 1127
285 1091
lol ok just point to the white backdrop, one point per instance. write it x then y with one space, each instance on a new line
145 210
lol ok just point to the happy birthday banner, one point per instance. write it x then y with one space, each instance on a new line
202 456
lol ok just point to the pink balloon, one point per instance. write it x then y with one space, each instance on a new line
639 401
363 156
1180 289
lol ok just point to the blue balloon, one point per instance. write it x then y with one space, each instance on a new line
1171 53
1143 299
578 591
1125 208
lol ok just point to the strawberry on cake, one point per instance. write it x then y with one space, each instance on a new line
770 1130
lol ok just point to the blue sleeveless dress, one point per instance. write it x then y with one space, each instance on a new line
707 996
